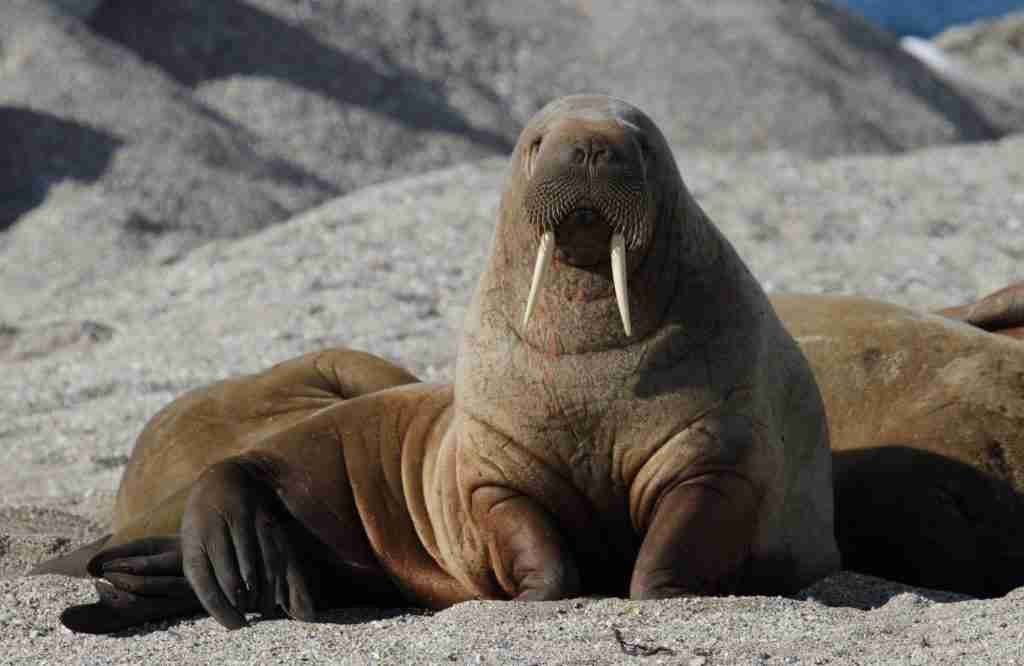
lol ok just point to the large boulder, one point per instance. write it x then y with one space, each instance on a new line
993 51
153 127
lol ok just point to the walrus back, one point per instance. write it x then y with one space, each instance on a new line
229 417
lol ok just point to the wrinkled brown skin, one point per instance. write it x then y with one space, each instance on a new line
689 458
926 418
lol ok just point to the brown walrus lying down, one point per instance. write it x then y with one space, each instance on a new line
628 417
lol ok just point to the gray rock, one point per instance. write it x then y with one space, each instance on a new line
152 128
109 161
734 75
993 52
984 60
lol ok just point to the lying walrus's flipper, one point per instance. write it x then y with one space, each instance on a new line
1000 312
239 551
140 581
236 553
71 564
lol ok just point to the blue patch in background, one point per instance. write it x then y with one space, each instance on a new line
926 18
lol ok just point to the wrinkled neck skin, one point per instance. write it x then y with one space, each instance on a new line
508 375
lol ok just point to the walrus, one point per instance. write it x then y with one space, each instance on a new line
926 418
628 417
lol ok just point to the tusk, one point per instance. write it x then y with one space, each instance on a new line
544 254
618 252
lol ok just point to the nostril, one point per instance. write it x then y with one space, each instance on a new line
601 152
579 155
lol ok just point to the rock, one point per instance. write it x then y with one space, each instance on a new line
152 128
993 52
985 61
18 344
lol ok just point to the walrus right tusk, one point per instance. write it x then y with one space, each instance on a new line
544 254
618 252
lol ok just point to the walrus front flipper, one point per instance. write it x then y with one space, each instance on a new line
699 538
1000 312
241 549
531 561
72 564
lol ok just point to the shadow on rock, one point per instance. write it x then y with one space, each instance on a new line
197 41
848 589
40 150
362 615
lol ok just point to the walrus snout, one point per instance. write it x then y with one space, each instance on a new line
578 166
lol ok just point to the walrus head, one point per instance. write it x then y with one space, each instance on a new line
586 195
588 203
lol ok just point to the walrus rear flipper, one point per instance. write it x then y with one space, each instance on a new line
117 608
137 582
1000 312
71 564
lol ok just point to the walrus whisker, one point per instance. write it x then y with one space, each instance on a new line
544 254
618 253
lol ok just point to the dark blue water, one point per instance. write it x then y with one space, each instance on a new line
924 18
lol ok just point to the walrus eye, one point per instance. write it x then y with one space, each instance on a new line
531 156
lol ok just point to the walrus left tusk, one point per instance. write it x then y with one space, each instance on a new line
618 252
544 254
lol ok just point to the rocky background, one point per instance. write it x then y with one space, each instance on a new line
195 189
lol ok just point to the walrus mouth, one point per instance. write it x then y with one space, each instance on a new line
617 251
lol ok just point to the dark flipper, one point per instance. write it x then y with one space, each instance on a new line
140 581
1000 312
699 538
239 551
71 564
239 548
